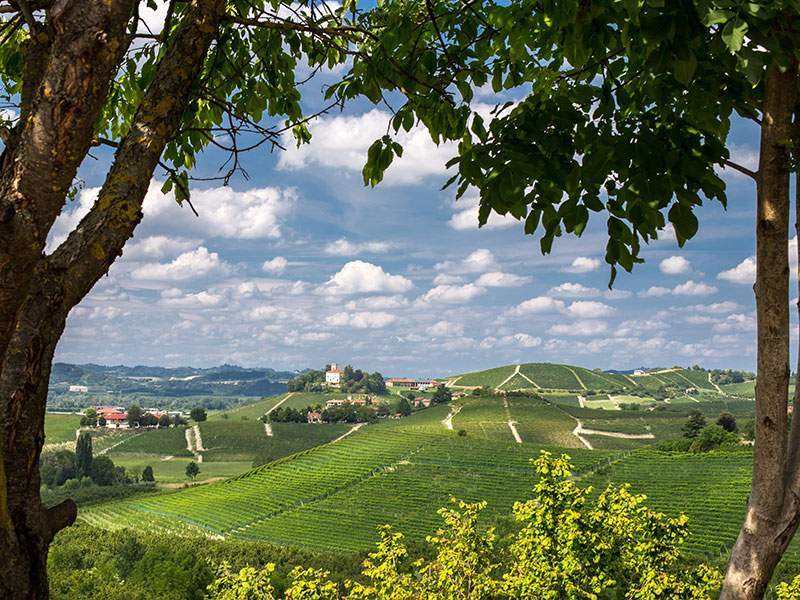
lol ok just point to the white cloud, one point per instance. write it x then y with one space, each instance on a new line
445 279
693 288
537 305
574 290
359 277
189 265
743 273
465 217
343 247
655 291
377 303
675 265
453 294
500 279
579 328
224 213
275 265
583 264
342 142
589 309
479 261
736 322
714 308
361 320
742 155
202 299
157 246
446 329
518 340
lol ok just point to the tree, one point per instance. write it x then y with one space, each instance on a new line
164 421
101 421
83 455
91 77
147 474
727 421
442 394
694 424
192 470
404 407
91 416
198 414
134 415
57 467
103 471
619 111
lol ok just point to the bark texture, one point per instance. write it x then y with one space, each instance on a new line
36 291
773 509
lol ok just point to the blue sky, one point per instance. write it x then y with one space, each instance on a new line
303 265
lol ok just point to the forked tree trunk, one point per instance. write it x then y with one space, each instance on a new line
34 307
772 510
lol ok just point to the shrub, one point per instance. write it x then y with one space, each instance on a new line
564 544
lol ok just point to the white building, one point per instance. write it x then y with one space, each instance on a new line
333 376
81 389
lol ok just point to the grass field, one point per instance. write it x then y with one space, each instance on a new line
60 428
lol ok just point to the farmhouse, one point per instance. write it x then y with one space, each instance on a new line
333 376
116 420
80 389
408 383
421 402
335 402
314 416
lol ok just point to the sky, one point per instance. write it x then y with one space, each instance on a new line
302 265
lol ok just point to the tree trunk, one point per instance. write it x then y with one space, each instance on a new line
55 284
771 517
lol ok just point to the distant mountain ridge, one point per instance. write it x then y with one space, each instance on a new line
70 383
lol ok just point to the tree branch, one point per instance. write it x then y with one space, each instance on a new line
741 169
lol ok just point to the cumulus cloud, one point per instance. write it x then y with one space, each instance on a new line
445 329
202 299
574 290
655 291
582 328
342 142
694 288
537 305
675 265
465 217
452 294
589 309
736 322
743 273
583 264
157 246
275 265
359 277
519 340
361 320
479 261
224 213
343 247
377 303
725 306
189 265
500 279
445 279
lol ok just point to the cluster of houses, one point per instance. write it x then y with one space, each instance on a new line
410 384
116 417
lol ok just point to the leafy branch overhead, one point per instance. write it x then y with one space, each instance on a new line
619 108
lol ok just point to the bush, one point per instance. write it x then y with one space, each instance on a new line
565 544
727 421
198 414
713 437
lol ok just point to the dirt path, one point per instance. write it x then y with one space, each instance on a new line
119 443
198 441
514 432
580 381
582 401
509 378
448 420
451 382
353 429
268 429
630 379
193 442
716 387
285 398
581 430
531 381
166 458
577 433
178 485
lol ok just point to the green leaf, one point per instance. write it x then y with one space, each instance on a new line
684 68
733 34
